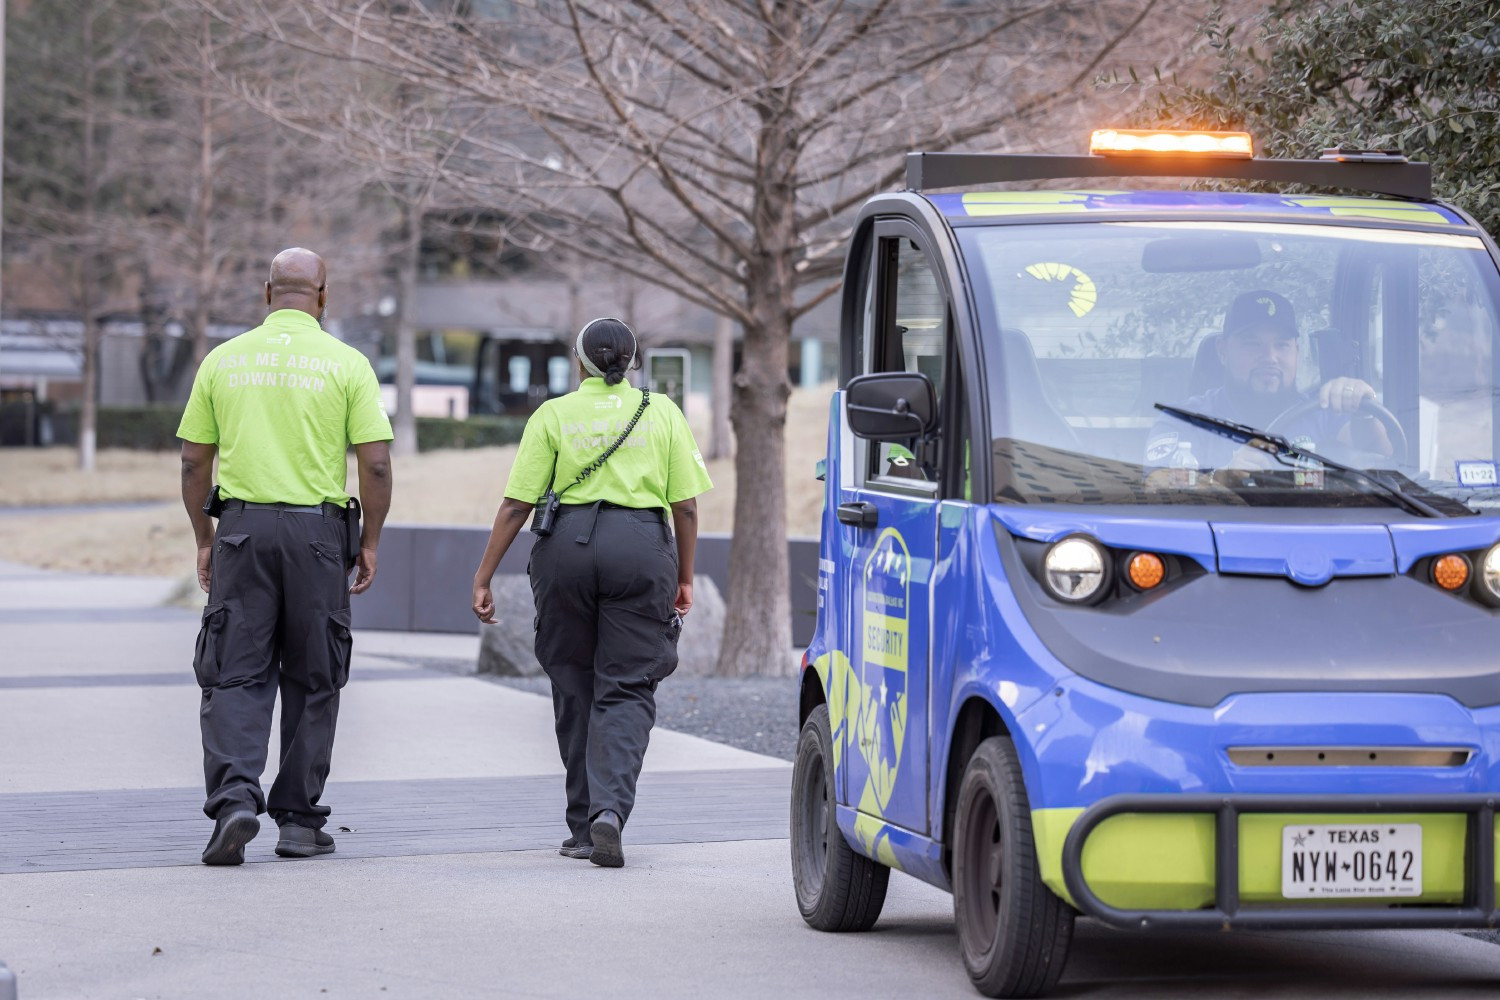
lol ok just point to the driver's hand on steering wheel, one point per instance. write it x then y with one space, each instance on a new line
1248 459
1344 395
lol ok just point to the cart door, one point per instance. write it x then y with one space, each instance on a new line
889 520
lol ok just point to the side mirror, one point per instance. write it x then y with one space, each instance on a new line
890 406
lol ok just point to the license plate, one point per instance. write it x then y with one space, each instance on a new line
1351 860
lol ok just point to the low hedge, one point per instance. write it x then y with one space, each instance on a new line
154 428
141 428
475 432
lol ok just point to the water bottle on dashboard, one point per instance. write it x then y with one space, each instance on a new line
1183 465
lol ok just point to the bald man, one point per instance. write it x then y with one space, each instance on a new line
279 406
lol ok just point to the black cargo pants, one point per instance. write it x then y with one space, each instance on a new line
277 619
604 583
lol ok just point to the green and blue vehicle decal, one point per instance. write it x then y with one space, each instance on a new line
1322 208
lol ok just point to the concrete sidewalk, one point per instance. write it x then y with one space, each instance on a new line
34 595
112 707
102 765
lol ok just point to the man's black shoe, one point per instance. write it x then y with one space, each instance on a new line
571 848
605 831
231 833
303 842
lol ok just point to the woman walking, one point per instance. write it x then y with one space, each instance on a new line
598 469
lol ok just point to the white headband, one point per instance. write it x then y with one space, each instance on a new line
588 365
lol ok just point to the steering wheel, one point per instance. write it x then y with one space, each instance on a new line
1400 448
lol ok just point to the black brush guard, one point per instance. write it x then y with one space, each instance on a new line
1477 910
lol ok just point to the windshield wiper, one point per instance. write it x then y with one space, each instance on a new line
1282 450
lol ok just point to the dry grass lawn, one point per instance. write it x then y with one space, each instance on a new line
43 477
441 487
145 541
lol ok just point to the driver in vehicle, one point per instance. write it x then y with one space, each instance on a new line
1258 351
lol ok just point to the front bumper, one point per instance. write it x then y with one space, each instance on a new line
1475 906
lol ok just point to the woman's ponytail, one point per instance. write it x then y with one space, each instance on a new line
607 348
612 364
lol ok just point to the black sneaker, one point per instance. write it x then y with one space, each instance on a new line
571 848
605 831
303 842
231 833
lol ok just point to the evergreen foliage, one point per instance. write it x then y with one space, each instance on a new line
1423 78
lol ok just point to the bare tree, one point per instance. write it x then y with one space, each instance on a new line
137 176
720 434
71 66
223 186
411 191
373 135
716 148
192 148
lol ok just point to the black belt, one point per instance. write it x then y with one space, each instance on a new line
654 513
326 507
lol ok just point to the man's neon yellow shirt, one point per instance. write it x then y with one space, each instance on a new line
657 466
284 402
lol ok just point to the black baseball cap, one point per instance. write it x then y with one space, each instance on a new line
1260 310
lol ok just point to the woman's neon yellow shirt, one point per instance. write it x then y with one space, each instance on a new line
657 466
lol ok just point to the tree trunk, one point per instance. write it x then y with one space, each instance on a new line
205 272
163 357
575 309
2 132
757 626
721 437
88 417
406 336
88 278
201 317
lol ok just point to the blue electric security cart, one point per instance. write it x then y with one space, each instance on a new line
1159 574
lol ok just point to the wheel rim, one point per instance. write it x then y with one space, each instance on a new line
813 826
984 865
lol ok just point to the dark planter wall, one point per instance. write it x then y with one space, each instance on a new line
426 573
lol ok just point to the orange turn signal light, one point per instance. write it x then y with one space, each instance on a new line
1141 141
1450 572
1146 570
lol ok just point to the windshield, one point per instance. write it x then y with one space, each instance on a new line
1370 347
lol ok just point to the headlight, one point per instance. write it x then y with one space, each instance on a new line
1074 570
1487 584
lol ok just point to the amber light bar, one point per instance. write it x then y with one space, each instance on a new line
1152 142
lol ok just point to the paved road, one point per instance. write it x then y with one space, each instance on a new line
446 883
78 508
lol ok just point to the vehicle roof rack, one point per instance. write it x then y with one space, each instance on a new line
1385 175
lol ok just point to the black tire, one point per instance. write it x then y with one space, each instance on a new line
837 889
1013 931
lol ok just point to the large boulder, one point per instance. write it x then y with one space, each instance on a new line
507 648
702 631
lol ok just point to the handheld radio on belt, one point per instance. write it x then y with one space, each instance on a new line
548 503
351 532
